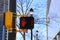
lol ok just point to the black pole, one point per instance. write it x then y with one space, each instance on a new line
12 7
24 36
12 35
31 34
31 29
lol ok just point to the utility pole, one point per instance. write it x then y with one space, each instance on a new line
47 18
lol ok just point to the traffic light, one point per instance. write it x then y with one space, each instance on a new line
9 21
26 23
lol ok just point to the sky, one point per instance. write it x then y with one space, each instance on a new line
40 7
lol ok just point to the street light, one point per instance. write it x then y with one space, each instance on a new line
31 14
36 31
37 35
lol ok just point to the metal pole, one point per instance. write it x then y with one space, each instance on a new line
37 35
47 11
24 36
31 15
8 4
46 31
4 6
31 29
31 34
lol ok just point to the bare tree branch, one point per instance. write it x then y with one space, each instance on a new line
29 3
21 3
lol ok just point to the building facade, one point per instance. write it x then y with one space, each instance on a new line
57 37
4 33
3 8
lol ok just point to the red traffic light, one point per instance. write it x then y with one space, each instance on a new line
26 23
23 22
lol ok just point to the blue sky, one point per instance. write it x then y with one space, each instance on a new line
39 7
54 22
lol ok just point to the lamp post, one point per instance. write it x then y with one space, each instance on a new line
24 36
37 35
31 14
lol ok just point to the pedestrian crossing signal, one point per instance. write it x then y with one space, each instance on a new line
26 23
9 21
